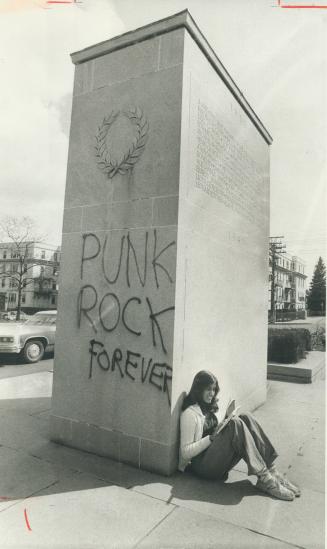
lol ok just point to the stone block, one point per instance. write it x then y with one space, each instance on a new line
72 220
83 78
79 435
127 63
61 430
130 214
158 458
171 49
96 217
129 450
165 211
103 441
78 80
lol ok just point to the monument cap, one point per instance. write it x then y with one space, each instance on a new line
163 26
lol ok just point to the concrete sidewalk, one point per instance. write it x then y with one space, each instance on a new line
313 321
57 497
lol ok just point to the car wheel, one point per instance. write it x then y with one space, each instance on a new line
33 351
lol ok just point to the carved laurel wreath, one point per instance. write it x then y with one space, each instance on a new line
106 163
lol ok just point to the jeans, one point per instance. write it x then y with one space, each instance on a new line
242 438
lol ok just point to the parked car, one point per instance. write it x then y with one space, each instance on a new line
31 338
11 315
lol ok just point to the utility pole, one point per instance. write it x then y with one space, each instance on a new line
275 247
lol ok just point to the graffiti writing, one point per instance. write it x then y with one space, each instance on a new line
92 248
110 310
131 365
133 273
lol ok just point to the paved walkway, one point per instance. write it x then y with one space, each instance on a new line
56 497
313 321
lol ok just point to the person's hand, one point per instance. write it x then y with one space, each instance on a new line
214 433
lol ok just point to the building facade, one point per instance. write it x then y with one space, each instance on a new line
37 266
290 282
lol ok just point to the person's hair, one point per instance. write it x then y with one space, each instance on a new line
201 381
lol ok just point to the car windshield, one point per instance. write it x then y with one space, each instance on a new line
41 319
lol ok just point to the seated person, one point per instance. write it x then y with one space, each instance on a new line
210 450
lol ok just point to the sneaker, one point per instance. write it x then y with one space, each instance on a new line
275 489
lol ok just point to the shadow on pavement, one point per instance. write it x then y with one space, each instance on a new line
36 466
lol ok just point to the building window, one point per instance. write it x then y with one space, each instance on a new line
43 254
12 298
54 286
23 298
3 282
53 300
5 254
55 256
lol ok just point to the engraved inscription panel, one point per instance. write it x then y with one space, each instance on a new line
225 170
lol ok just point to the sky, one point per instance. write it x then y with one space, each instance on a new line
278 58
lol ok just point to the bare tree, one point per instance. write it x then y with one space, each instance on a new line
22 235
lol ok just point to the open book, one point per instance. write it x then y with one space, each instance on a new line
230 413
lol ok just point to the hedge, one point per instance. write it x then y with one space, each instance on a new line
318 339
287 345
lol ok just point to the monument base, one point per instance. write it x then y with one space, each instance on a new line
143 454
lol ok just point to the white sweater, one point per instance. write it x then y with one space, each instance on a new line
191 430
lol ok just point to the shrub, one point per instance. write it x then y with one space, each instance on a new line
319 339
288 345
283 315
305 334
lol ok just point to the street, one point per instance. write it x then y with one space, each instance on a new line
12 366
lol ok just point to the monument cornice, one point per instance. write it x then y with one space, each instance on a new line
174 22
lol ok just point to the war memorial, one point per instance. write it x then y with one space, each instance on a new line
165 238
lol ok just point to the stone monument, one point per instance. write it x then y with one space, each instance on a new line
165 243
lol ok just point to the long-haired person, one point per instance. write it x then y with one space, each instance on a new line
211 454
